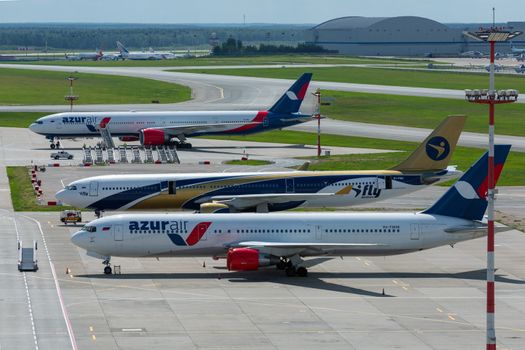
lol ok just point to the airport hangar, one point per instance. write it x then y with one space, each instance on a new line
399 36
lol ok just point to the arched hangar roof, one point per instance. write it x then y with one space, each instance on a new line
358 22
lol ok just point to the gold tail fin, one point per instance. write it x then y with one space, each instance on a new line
435 152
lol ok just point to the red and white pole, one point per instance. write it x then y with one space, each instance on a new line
491 330
318 95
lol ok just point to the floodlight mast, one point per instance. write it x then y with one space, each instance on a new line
491 97
71 97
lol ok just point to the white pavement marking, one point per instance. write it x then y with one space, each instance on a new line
29 305
57 286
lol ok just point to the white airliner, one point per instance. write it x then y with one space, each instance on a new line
162 128
250 241
144 55
516 50
81 56
270 191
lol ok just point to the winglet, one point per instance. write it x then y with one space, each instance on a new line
437 149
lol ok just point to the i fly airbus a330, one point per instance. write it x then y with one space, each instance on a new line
270 191
249 241
163 128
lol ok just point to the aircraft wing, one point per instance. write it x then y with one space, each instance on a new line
291 248
252 200
194 128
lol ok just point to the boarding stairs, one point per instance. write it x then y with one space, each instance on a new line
88 159
172 155
106 137
135 152
27 260
161 152
111 156
99 156
148 155
123 155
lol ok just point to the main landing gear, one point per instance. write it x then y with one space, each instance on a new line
182 144
53 144
292 266
107 269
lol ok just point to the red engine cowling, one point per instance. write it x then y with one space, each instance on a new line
242 259
128 138
154 137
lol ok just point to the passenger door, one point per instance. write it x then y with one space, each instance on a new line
414 231
118 234
93 188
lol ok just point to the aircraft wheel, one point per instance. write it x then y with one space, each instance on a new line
52 146
290 271
281 265
302 271
107 270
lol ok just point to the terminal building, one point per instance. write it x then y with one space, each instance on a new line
397 36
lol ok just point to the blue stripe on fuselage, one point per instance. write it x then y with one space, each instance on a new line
301 184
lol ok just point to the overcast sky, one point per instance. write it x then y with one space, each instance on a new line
256 11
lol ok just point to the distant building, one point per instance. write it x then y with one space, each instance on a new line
395 36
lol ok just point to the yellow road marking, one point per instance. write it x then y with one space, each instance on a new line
395 281
451 317
93 337
91 328
438 309
405 288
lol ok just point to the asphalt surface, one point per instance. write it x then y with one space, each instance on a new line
432 299
217 92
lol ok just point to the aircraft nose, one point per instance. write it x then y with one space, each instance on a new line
80 239
61 196
33 127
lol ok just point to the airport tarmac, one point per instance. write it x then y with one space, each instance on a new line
20 146
432 300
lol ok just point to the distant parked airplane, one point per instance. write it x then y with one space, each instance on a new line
249 241
81 56
145 55
520 68
472 54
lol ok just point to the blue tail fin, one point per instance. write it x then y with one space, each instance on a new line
467 199
291 101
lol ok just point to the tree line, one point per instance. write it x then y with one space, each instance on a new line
91 36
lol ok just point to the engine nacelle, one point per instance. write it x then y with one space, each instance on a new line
242 259
214 207
248 259
128 138
154 137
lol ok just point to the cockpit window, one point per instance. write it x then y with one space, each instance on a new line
71 188
89 228
39 122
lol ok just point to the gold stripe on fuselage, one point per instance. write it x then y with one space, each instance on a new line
185 194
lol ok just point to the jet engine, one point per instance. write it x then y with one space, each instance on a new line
248 259
128 138
154 137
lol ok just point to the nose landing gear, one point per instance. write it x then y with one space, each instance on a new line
107 269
